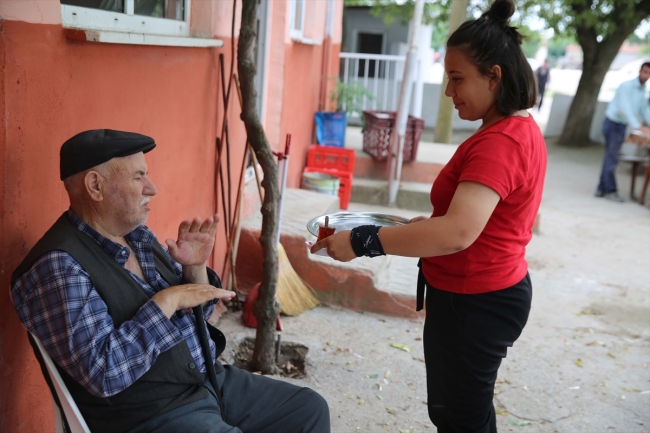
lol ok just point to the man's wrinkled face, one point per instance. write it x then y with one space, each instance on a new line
127 191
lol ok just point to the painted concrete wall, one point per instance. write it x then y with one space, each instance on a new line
359 20
560 111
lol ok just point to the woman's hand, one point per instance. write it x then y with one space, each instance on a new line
338 246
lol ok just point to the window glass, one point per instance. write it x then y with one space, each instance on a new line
170 9
107 5
297 15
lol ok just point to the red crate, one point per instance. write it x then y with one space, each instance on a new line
345 185
331 157
376 136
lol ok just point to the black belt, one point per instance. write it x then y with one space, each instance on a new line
421 286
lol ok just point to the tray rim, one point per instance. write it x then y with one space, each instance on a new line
403 220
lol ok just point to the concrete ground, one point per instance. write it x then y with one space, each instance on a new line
582 363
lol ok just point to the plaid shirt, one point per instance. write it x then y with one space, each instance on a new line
57 302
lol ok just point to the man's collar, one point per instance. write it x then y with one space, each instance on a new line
140 233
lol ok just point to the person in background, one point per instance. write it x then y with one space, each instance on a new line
628 107
543 75
109 303
472 249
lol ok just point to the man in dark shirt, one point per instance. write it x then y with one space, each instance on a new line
543 76
109 304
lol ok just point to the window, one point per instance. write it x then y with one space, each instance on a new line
297 23
152 17
297 18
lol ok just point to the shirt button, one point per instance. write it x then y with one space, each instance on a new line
191 365
123 252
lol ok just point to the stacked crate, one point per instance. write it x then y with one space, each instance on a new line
334 161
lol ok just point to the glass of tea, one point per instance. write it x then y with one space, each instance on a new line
325 231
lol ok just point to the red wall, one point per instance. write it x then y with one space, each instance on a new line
53 88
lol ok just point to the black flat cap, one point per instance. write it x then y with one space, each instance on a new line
91 148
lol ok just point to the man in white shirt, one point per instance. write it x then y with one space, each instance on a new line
626 109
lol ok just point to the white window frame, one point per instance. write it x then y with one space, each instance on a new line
293 32
78 17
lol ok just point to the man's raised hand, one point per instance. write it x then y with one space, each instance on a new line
195 241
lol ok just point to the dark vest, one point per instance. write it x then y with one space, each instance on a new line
172 381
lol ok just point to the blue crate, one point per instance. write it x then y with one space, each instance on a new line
330 128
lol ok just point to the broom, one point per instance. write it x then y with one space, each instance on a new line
294 295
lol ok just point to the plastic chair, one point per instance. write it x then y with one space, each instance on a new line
68 417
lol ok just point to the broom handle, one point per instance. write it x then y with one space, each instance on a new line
283 186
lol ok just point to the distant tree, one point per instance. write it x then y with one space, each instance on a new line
600 27
558 43
532 40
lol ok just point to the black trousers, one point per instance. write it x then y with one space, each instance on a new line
465 338
251 404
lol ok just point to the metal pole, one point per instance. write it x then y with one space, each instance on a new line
399 129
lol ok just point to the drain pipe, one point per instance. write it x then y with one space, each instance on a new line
398 134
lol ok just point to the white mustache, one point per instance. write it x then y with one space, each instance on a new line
144 201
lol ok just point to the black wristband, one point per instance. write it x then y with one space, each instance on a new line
365 241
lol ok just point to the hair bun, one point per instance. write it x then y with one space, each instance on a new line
501 11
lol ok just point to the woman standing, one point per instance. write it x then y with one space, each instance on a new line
485 200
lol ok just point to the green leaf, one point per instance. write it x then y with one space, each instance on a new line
400 346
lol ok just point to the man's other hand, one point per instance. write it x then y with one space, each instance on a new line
187 296
195 241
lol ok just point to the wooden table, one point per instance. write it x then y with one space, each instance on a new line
641 138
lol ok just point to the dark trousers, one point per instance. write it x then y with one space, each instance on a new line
614 133
247 403
465 338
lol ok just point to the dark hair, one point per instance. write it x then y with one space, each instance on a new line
644 65
490 41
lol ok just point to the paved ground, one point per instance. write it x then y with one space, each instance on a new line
582 363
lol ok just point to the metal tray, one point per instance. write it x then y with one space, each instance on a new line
349 220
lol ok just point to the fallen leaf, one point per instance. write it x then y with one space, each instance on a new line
595 343
590 311
379 397
389 410
632 390
579 362
611 355
400 346
387 374
372 376
500 412
405 430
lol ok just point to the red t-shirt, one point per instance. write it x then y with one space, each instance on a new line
509 157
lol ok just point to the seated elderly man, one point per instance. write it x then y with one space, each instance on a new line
108 303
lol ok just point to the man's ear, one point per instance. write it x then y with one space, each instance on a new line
495 76
94 183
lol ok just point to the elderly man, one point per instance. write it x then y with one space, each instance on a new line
109 304
628 107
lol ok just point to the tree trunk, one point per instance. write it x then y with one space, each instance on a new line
596 61
597 58
266 307
444 123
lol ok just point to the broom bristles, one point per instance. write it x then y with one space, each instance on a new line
294 295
